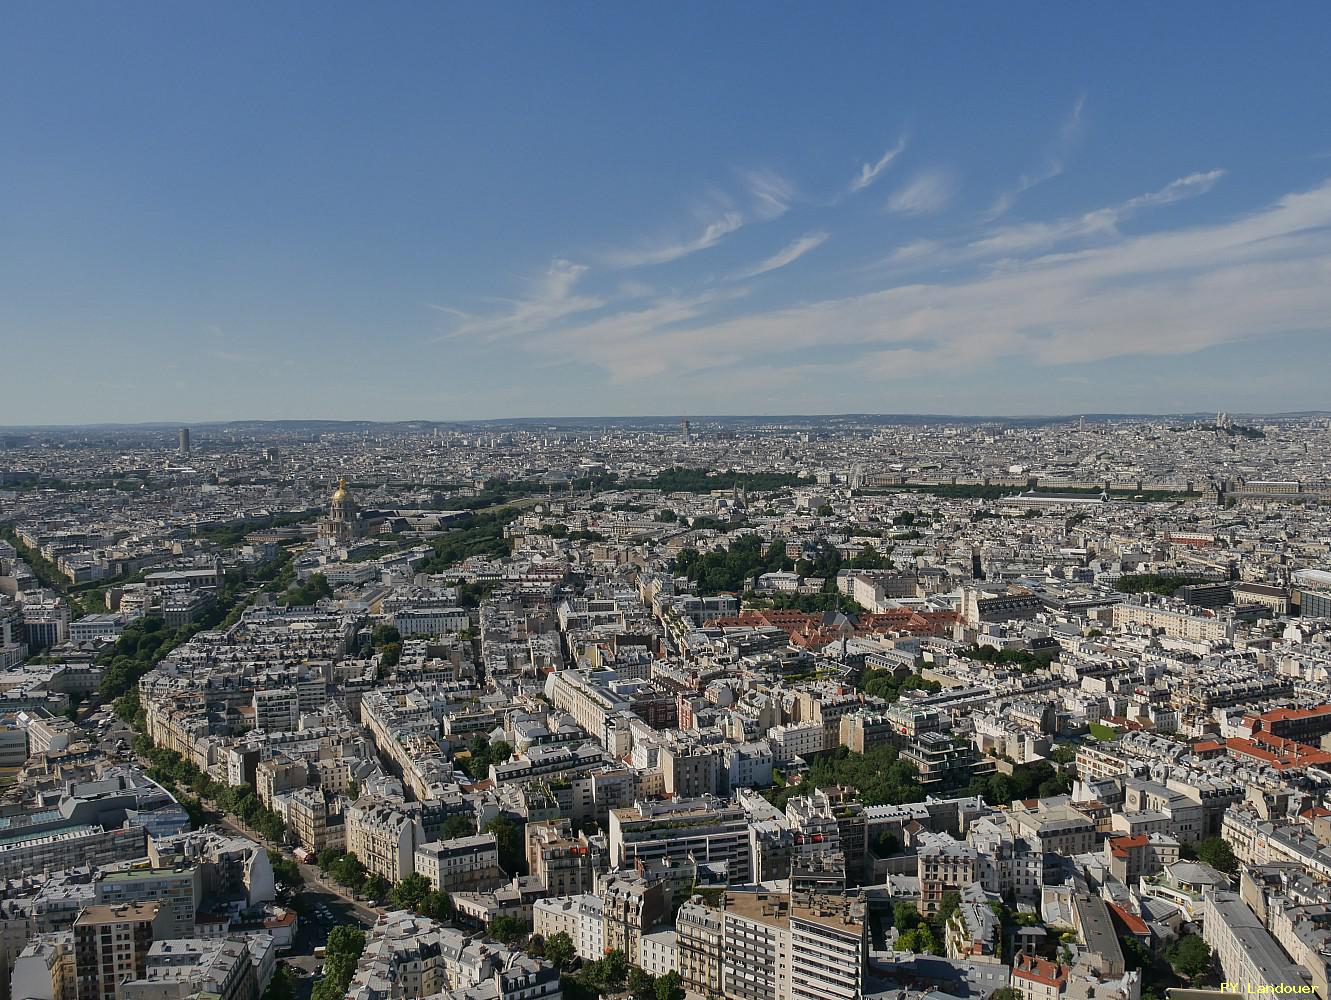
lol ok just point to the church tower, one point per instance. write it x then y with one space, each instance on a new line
342 526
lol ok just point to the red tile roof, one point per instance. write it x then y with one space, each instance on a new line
1283 755
1136 925
1040 970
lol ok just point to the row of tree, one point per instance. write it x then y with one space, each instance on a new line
144 643
879 776
345 944
182 777
608 975
481 535
1026 659
481 753
303 595
888 684
726 570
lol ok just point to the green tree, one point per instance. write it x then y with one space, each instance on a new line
437 906
920 940
868 558
509 930
641 984
377 887
350 872
906 917
509 841
1189 956
1135 954
948 904
887 844
313 590
328 857
559 950
615 967
1215 852
345 944
670 986
1064 753
457 826
282 986
410 893
285 871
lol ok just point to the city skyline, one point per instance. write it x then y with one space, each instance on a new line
657 419
459 215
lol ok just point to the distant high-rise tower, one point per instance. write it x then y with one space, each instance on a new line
684 437
184 440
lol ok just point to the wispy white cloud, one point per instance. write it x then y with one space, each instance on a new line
1169 292
1069 134
551 298
787 255
713 233
1098 223
927 192
869 172
448 310
629 333
1176 190
772 193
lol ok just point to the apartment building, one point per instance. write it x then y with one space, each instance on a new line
943 864
412 956
757 944
178 890
1244 947
565 865
1173 622
826 705
216 968
1053 826
310 823
828 947
460 863
44 969
579 916
690 770
385 838
796 740
704 830
701 945
68 847
111 946
755 958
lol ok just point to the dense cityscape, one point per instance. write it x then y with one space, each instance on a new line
795 708
665 501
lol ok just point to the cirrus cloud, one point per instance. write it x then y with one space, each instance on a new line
927 192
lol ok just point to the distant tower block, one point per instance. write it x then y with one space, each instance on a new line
184 440
684 436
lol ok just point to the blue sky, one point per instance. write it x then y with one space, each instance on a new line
447 211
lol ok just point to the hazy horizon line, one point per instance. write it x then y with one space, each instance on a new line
665 417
